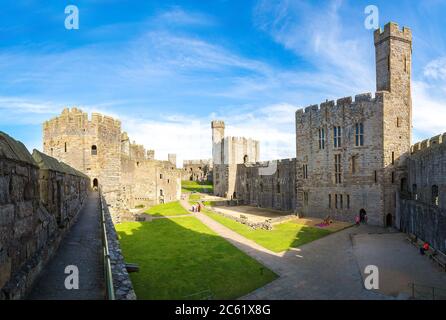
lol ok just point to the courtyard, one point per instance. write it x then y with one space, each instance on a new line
181 258
205 255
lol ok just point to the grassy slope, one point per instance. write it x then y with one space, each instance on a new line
283 236
168 209
180 257
194 186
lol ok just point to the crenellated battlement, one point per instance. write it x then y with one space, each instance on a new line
428 144
332 106
392 30
197 162
75 118
217 124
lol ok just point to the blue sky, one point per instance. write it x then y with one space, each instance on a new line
167 68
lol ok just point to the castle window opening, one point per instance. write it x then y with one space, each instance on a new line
393 157
278 187
337 168
51 151
329 201
354 164
393 176
305 198
403 186
161 193
65 146
414 192
161 175
359 134
321 138
305 171
435 195
337 136
348 201
341 201
245 158
398 122
94 150
376 176
336 201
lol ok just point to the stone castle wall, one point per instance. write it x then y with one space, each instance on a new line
368 174
422 205
197 170
227 153
317 188
39 200
267 184
128 174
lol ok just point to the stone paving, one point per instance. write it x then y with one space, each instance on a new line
82 247
399 264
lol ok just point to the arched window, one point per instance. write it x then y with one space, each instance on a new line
245 158
278 187
435 195
94 150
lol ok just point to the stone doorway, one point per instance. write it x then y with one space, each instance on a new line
362 214
389 220
95 184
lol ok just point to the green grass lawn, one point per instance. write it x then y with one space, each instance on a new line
195 186
181 257
283 236
167 209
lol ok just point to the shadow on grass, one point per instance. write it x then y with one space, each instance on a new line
183 258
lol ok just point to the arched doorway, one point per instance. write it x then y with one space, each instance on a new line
389 220
95 183
362 214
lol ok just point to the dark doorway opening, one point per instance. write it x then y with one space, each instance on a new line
95 184
362 215
389 220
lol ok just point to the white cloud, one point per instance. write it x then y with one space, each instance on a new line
429 112
436 69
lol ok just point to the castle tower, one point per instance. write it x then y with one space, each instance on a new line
393 50
150 154
172 158
218 134
90 146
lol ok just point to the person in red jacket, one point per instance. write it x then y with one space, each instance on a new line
424 248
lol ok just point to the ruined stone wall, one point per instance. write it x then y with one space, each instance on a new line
123 170
31 224
197 170
421 209
267 184
154 182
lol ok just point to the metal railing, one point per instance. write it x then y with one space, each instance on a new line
110 292
422 292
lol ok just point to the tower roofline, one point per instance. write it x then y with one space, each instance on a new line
392 30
